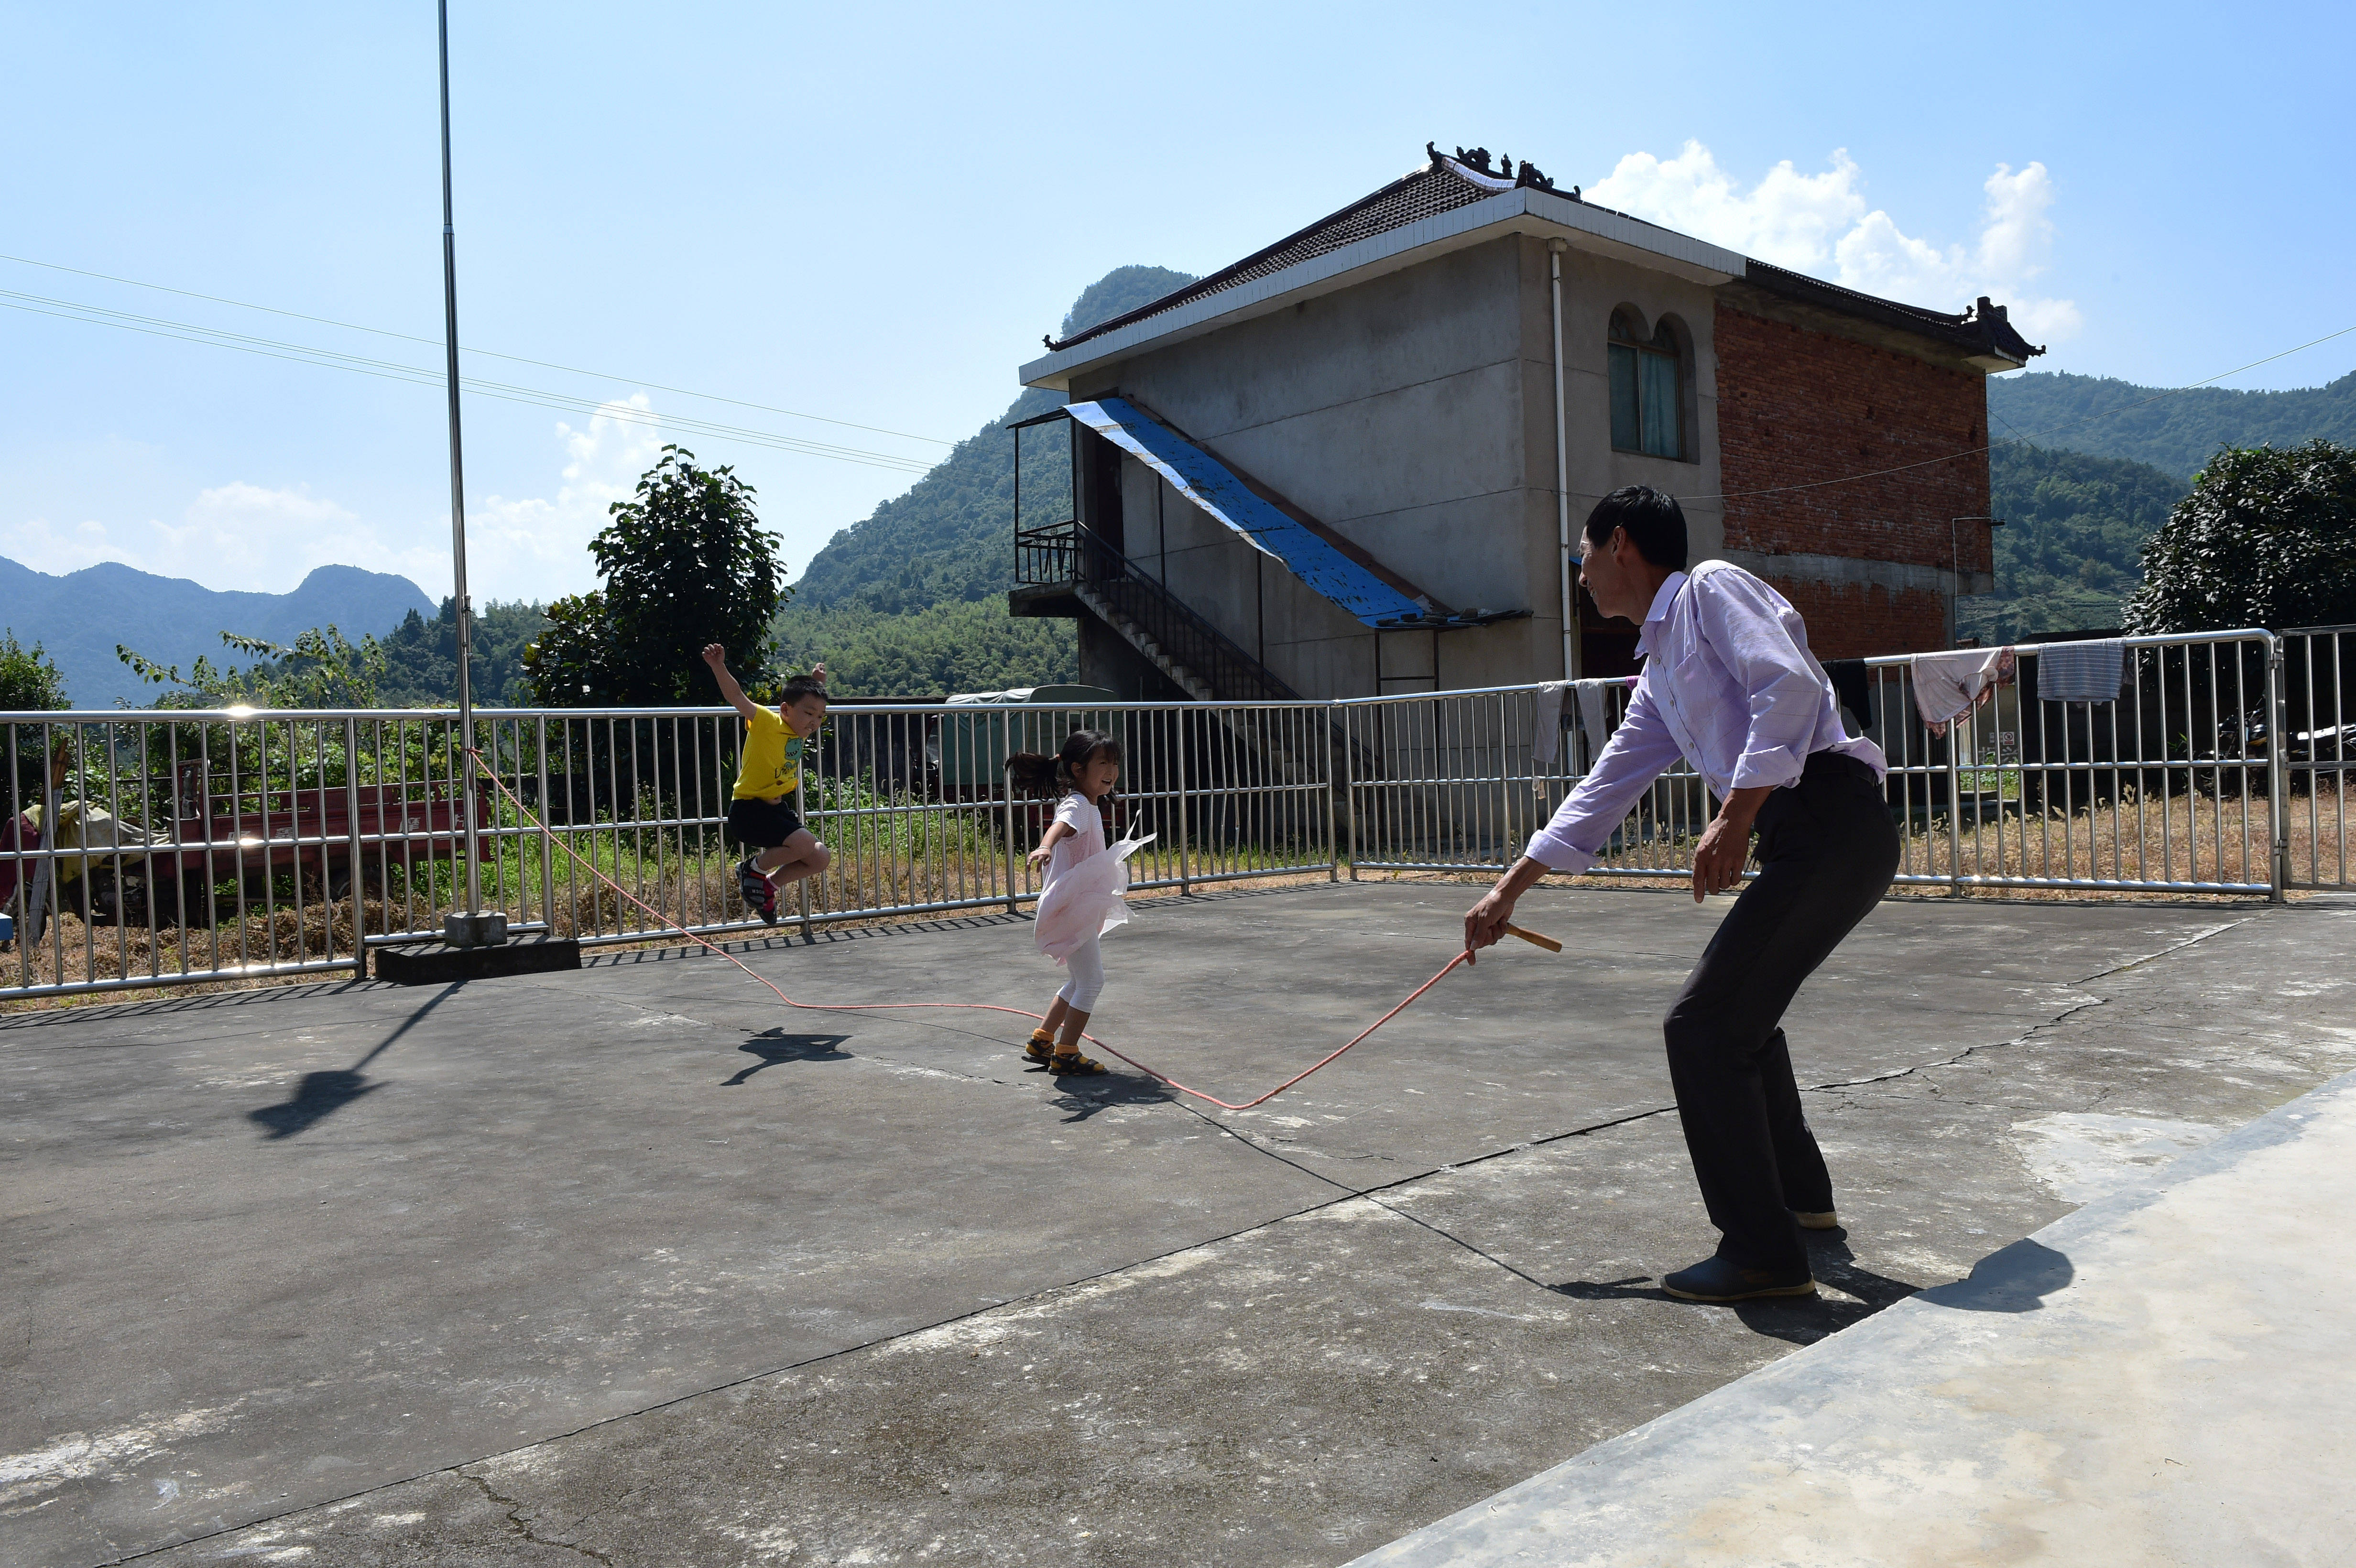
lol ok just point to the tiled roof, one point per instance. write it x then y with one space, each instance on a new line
1438 188
1982 329
1444 184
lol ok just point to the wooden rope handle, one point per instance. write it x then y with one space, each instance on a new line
1535 940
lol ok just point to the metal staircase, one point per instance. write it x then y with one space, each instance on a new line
1182 644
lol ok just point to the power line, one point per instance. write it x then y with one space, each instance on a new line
335 359
2020 441
436 343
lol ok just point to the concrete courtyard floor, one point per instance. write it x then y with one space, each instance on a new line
632 1265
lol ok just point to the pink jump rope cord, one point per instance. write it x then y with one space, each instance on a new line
967 1006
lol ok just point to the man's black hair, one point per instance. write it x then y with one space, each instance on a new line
799 686
1655 524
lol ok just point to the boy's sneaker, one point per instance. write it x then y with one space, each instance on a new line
760 893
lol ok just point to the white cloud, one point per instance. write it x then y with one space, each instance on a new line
1821 224
248 536
234 536
537 547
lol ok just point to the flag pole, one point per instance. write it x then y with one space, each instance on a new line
468 929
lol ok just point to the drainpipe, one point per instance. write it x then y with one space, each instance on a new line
1555 247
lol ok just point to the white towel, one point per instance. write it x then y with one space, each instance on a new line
1948 686
2081 672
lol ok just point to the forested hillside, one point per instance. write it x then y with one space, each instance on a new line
2072 545
421 657
81 616
911 601
2176 434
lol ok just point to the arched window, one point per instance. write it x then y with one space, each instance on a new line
1647 402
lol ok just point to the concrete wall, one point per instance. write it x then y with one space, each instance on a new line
1389 411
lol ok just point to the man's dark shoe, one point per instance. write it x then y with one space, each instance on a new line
1722 1279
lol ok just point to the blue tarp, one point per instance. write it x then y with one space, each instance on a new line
1206 482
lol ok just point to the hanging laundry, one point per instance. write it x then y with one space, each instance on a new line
1546 741
1948 686
1594 716
1853 684
2081 672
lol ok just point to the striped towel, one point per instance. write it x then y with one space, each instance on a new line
2081 672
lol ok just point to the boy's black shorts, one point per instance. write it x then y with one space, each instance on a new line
761 824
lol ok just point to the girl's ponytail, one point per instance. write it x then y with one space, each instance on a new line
1034 775
1046 777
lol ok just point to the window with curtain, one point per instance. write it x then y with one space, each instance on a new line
1647 402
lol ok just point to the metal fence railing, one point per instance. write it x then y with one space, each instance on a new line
2316 747
144 848
2169 788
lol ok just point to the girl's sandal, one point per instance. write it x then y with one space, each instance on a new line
1072 1062
1041 1046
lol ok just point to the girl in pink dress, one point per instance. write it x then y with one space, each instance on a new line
1082 898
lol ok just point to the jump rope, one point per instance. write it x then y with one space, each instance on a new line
1548 943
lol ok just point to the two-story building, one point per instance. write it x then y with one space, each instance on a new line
1355 462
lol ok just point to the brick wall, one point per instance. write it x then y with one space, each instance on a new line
1798 405
1858 620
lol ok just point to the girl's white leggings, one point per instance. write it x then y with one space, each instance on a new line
1087 964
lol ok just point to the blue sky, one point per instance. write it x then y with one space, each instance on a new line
870 213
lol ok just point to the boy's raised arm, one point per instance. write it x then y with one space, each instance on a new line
717 657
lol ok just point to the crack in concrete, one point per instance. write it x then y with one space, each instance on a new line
2056 1021
515 1520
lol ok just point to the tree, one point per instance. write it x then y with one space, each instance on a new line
686 562
2268 538
321 668
30 683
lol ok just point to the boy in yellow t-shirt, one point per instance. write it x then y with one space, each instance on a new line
761 817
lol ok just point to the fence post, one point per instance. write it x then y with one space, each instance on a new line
548 849
1333 841
1185 798
2277 765
1956 805
1350 791
1006 781
801 809
352 833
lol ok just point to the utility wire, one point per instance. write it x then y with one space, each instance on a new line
2017 440
436 343
328 358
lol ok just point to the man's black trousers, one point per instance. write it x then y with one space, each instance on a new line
1827 849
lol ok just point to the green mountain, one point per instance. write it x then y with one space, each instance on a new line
2175 433
82 615
910 602
2072 542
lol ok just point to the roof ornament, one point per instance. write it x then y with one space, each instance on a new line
1527 177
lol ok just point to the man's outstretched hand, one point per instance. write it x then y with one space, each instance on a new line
1485 921
715 655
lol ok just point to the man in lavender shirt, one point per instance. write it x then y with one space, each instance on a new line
1729 683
